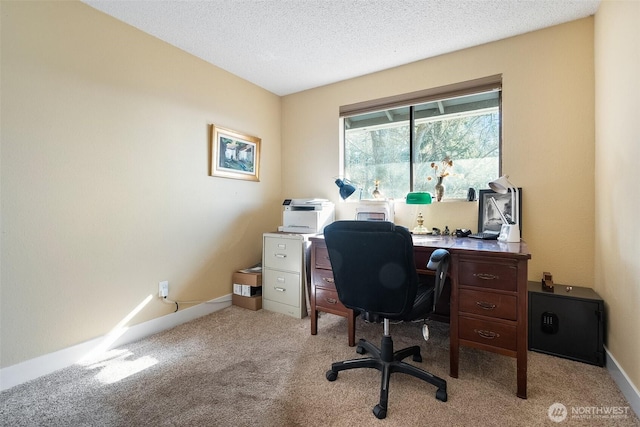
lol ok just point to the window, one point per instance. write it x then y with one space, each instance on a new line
398 141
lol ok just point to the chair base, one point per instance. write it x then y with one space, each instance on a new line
387 361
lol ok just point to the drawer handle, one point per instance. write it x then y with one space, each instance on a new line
279 289
281 255
328 279
487 334
485 305
485 276
331 300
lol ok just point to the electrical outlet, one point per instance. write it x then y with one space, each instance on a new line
163 289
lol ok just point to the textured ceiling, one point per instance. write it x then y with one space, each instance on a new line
287 46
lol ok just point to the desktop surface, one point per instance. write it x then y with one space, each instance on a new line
467 244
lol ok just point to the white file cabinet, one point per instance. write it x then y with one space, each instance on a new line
284 274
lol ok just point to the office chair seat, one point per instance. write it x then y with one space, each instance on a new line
374 272
422 306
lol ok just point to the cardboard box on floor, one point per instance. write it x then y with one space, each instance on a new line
251 279
247 290
251 303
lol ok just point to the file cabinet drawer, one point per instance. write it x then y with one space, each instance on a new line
488 275
282 254
488 304
489 333
281 286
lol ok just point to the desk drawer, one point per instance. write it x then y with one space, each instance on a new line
282 254
488 333
488 304
328 299
488 275
323 279
281 286
322 257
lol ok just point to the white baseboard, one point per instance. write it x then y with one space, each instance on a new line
623 381
20 373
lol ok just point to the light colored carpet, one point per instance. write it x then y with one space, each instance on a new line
243 368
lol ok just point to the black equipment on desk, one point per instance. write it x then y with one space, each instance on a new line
485 235
462 232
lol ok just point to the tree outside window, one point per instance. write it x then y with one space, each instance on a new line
464 130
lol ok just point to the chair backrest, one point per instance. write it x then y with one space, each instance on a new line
373 266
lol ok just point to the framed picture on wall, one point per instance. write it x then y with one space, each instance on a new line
488 217
234 155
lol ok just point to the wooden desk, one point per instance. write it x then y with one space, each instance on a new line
488 296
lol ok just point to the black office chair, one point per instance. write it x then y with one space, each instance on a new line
374 272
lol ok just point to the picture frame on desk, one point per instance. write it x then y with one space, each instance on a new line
488 217
234 155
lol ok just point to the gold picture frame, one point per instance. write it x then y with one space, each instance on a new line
234 155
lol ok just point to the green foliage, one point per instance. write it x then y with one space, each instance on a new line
382 153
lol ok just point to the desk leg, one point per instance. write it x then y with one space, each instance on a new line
454 352
522 330
351 328
454 344
522 375
314 321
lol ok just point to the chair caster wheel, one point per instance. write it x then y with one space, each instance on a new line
441 395
361 350
379 412
332 376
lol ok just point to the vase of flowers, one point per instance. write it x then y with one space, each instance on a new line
439 188
441 170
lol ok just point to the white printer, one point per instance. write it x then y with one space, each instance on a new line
306 216
375 210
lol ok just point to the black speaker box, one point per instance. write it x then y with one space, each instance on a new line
567 323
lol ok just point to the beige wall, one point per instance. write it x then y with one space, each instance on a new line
617 249
105 186
548 128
